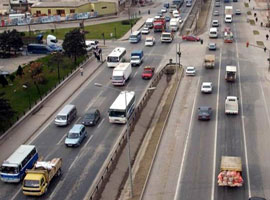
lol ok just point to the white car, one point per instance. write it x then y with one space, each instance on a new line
145 30
238 12
206 87
215 23
163 10
176 14
190 71
216 13
90 45
149 41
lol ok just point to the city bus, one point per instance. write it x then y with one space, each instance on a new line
13 169
122 108
135 37
116 56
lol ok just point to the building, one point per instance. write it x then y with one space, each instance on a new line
21 6
68 7
4 7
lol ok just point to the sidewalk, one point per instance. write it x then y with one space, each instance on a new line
31 124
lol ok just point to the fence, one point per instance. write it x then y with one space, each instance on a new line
47 19
109 164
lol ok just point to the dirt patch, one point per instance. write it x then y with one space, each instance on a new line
248 12
246 5
256 32
260 43
201 22
252 22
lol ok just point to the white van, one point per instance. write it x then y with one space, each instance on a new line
149 23
213 33
66 115
176 14
228 18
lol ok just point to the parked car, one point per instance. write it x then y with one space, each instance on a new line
216 13
190 71
145 30
217 4
91 118
76 135
204 113
149 41
190 38
206 87
212 46
238 12
215 23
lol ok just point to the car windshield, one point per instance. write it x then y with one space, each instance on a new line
166 35
31 183
190 69
149 40
113 113
147 72
117 77
112 59
61 117
206 86
145 29
73 135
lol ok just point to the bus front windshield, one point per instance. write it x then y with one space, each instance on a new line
112 59
117 113
9 170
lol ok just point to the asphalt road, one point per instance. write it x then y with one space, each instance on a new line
188 160
82 164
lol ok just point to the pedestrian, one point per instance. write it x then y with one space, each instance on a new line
264 49
261 24
255 14
148 12
267 36
201 41
249 1
256 19
81 71
139 12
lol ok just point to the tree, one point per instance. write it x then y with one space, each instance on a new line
19 71
11 77
3 81
15 40
74 44
4 42
6 112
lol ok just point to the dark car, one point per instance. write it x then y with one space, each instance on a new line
167 18
91 118
204 113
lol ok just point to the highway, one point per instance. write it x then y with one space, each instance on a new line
188 159
82 164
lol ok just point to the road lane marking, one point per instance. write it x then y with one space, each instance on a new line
88 140
93 101
100 123
216 127
242 116
60 141
186 142
16 194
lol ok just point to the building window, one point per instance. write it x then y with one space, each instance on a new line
60 12
72 11
104 7
49 12
38 12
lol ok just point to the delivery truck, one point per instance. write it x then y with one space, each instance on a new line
38 179
209 61
166 37
136 57
228 14
159 24
230 74
121 73
231 105
230 172
174 24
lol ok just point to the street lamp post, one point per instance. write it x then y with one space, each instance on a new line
127 132
26 87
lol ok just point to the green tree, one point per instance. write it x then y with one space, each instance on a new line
74 44
15 40
3 81
4 42
6 112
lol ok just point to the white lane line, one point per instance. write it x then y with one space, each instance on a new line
216 127
88 140
77 120
186 142
135 73
74 161
16 194
60 141
242 118
100 123
93 101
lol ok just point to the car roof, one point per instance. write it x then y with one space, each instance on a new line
149 37
215 20
76 128
190 67
207 83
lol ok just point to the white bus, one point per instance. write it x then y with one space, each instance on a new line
116 56
13 169
122 107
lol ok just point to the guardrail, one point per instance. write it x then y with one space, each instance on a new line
110 163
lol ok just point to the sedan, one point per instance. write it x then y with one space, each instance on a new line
216 13
167 18
190 38
149 41
206 87
204 113
163 10
145 30
91 118
190 71
212 46
238 12
215 23
217 4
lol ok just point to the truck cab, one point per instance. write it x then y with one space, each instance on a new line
166 37
53 43
209 61
231 105
230 74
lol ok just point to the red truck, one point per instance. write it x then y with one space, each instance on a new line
148 72
159 24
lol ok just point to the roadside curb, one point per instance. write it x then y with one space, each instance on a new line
48 97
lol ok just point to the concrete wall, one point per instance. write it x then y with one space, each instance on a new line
104 8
